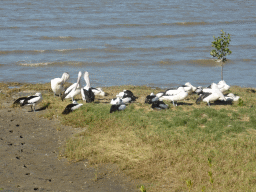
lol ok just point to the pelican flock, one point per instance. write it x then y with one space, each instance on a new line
211 93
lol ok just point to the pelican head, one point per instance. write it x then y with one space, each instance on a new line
78 79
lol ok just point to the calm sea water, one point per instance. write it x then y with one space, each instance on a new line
157 43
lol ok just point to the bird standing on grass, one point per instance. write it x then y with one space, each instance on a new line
86 92
73 89
213 95
30 100
57 84
174 95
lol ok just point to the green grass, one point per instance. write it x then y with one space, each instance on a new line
170 148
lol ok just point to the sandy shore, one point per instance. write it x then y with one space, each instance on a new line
30 157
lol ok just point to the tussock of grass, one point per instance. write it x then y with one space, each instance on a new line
169 148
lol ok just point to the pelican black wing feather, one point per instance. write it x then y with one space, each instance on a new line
27 99
68 108
89 95
201 97
18 101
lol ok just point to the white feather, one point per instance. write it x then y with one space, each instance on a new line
57 84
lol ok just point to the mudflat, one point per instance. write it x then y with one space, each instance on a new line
31 158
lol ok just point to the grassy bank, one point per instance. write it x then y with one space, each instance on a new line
186 148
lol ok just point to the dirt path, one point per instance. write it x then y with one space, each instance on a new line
29 148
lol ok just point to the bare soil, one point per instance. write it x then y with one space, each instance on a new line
30 149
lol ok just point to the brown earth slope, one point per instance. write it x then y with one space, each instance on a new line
30 157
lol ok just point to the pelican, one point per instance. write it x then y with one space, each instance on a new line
230 97
30 100
177 95
57 84
86 92
222 86
151 98
127 95
71 107
187 88
73 89
159 105
116 101
119 107
213 95
125 99
20 100
98 91
172 91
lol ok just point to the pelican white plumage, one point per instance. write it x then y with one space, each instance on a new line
98 91
117 104
119 107
30 100
193 88
230 97
151 98
222 85
73 89
213 95
86 91
71 107
173 91
178 95
57 84
127 96
159 105
116 101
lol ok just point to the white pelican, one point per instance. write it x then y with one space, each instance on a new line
160 94
221 85
86 92
73 89
151 98
20 100
98 91
127 94
57 84
71 107
188 84
125 99
214 95
159 105
187 89
116 101
178 95
30 100
230 97
119 107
